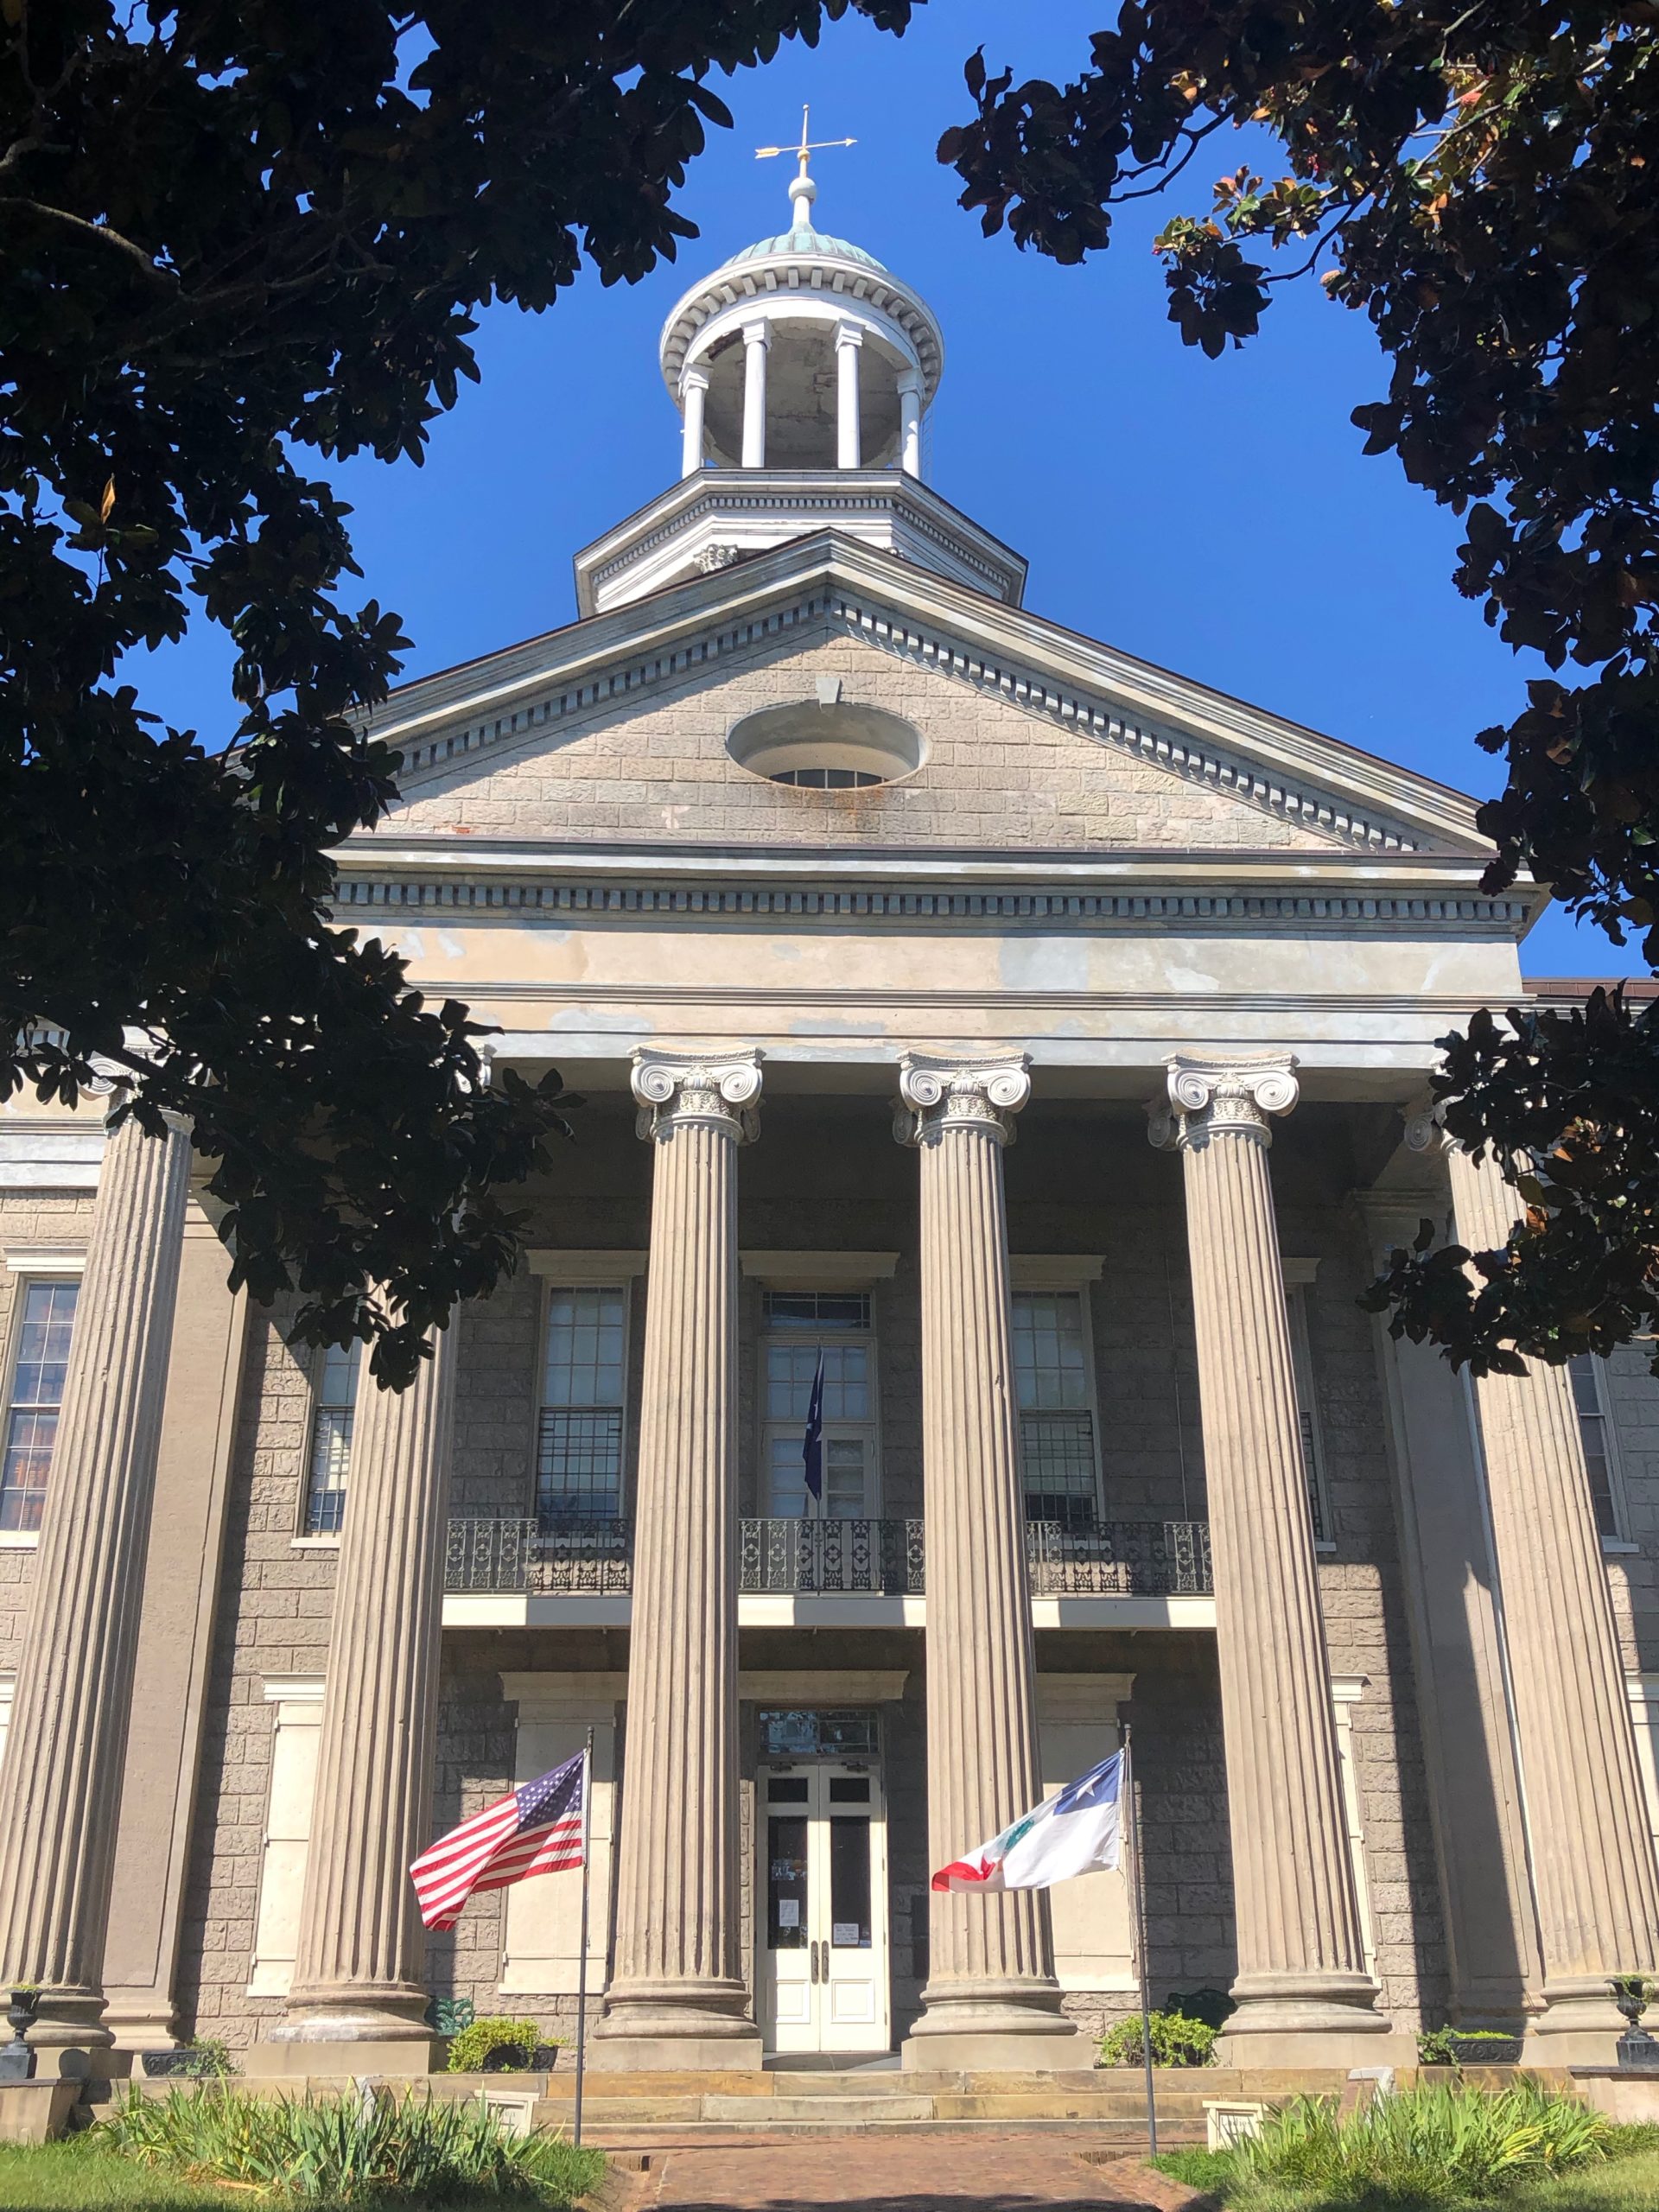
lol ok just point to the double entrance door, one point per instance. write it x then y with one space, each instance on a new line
823 1944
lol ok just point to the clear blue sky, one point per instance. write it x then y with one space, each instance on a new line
1215 516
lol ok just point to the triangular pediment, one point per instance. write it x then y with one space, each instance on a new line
1032 737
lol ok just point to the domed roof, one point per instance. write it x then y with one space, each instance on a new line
805 239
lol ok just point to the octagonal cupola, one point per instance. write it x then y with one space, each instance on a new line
803 371
802 351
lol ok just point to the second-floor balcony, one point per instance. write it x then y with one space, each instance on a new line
827 1572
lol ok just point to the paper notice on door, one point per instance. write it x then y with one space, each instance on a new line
789 1912
845 1931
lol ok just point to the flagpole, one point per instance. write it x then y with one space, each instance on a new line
1138 1906
582 1966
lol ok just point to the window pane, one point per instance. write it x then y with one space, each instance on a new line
849 1882
818 1309
787 1882
331 1440
1592 1432
1058 1454
579 1465
584 1347
45 1323
1050 1368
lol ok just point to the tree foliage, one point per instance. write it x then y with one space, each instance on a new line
1479 181
238 236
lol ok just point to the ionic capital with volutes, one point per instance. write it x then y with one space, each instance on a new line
941 1091
1205 1098
680 1091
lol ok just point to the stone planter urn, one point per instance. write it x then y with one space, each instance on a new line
1637 2050
16 2059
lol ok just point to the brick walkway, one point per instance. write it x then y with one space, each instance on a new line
876 2173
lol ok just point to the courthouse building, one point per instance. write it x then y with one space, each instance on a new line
879 922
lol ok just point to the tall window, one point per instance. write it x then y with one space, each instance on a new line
802 1327
45 1319
1595 1430
332 1413
1056 1419
579 1446
1308 1418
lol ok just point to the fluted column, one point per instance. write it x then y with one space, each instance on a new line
678 1998
991 1997
694 397
910 423
1301 1987
1593 1862
359 1974
60 1781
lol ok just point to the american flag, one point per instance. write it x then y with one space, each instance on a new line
536 1830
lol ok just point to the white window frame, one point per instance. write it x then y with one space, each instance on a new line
1299 1282
583 1270
1618 1542
323 1539
1074 1272
29 1265
830 1273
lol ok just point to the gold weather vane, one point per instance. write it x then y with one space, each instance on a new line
807 146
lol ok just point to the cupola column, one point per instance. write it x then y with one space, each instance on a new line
757 338
910 423
849 340
694 390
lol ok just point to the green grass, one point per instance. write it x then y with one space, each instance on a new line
1434 2149
1621 2185
73 2174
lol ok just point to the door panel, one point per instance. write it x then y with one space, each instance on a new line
823 1960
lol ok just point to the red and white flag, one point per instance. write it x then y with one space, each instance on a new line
538 1830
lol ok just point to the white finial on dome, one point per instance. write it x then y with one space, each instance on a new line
801 190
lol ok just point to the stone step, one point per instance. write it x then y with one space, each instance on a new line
822 2111
652 2135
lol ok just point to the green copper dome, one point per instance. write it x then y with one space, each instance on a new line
804 239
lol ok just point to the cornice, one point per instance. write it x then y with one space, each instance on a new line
839 587
1307 909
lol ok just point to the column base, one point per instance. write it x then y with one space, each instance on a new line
993 2028
1578 2026
1298 2020
677 2027
402 2059
392 2013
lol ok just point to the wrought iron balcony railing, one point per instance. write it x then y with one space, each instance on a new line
1120 1559
838 1558
563 1559
867 1558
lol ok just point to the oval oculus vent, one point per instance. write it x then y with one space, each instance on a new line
834 745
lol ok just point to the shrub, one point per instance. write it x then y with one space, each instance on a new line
207 2059
472 2045
346 2151
1437 2144
1176 2041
